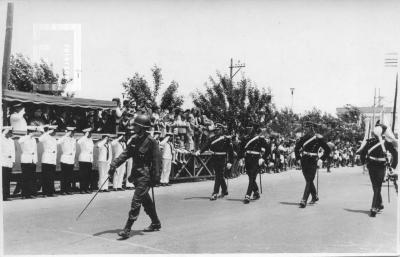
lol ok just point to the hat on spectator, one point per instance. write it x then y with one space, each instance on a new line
87 130
71 128
6 129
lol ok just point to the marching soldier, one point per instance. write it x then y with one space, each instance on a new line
222 157
373 153
49 159
85 160
104 160
145 153
118 146
310 144
29 159
68 151
7 159
255 151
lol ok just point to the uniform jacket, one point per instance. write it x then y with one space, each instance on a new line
7 152
68 149
49 155
311 143
105 151
167 149
29 149
219 144
145 154
18 121
117 147
86 145
254 144
374 149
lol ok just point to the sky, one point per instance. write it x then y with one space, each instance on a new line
331 52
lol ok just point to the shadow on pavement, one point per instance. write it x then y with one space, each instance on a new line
235 200
115 231
288 203
357 211
197 197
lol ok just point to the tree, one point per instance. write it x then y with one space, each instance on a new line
157 80
170 98
285 122
351 115
137 89
239 105
28 76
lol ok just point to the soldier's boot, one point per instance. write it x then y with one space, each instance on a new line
125 233
256 196
213 197
153 227
380 208
373 212
223 194
302 204
246 199
314 200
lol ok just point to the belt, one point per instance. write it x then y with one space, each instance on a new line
253 152
377 159
218 153
310 154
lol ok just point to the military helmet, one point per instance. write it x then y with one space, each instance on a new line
142 120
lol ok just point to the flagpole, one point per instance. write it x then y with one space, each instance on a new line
395 103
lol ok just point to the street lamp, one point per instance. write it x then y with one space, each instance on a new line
292 92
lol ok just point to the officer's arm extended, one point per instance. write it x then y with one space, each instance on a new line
325 146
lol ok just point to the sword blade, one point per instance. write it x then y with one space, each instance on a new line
87 205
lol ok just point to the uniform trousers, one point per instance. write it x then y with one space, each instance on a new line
142 197
128 172
218 163
309 169
165 170
28 179
251 163
376 174
119 176
85 170
66 177
103 174
48 175
6 173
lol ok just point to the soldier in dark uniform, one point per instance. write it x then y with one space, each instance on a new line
255 151
222 158
373 152
145 173
309 144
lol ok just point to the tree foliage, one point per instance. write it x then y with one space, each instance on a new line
170 98
238 105
351 115
26 75
157 80
138 89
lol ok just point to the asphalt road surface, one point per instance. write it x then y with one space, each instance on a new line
338 223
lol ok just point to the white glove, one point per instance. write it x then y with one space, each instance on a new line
241 162
197 153
228 166
319 163
261 162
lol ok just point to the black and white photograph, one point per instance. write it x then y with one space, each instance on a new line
200 127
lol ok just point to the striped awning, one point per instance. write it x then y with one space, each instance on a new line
36 98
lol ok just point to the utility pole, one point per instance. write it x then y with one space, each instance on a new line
7 46
237 66
380 105
292 91
392 61
373 115
395 103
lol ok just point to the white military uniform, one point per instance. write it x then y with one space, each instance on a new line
68 149
167 154
49 155
117 148
86 146
104 160
29 149
7 152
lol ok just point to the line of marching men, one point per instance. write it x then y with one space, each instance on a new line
108 148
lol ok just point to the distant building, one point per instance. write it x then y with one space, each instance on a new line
384 114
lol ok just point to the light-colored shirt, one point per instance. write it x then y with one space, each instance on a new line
86 145
167 149
49 155
29 149
18 122
68 149
105 151
117 147
7 152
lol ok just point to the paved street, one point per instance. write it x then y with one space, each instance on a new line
339 223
